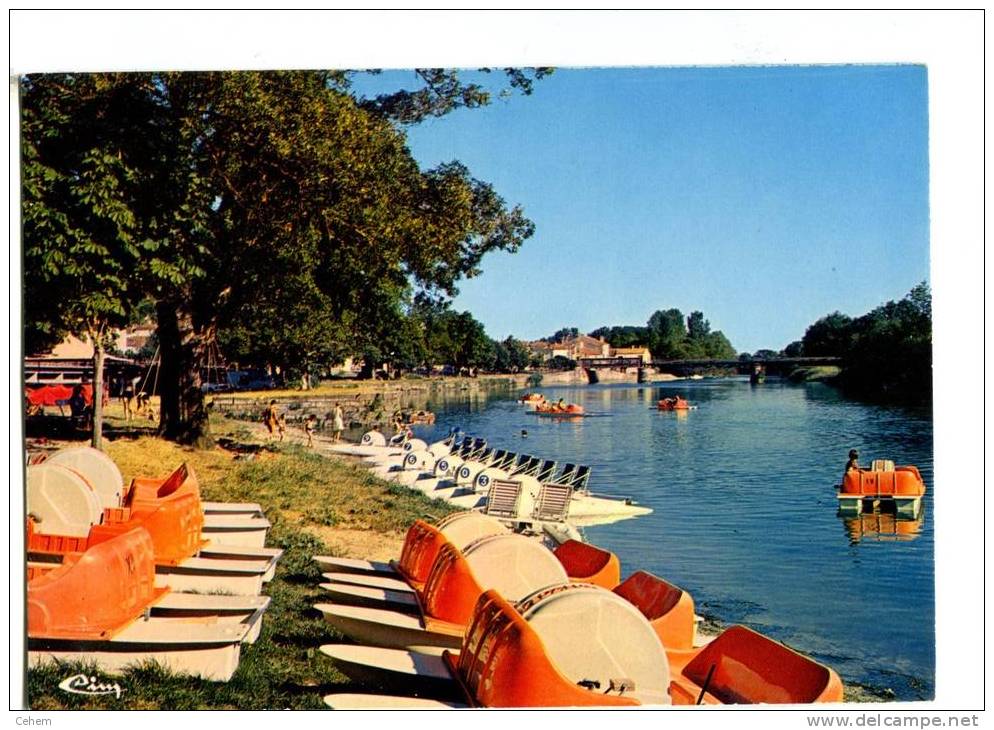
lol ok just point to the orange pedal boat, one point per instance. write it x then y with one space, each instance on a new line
586 563
103 606
742 666
882 484
674 404
572 409
571 645
513 564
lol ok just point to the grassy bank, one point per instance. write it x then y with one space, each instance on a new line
316 506
814 373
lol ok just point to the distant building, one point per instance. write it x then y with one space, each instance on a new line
540 350
586 346
130 341
640 352
572 348
71 348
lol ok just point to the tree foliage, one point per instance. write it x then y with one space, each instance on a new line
794 349
886 352
672 337
562 334
277 213
622 336
440 91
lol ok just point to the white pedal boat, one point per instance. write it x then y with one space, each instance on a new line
583 509
108 482
445 471
396 457
207 575
393 458
596 649
184 608
388 589
461 529
238 530
513 564
348 594
205 649
256 555
372 443
465 474
230 509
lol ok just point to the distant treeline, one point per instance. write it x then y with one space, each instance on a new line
886 353
668 335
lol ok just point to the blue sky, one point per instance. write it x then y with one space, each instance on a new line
765 197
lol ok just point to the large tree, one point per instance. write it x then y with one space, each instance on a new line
95 204
278 206
830 336
667 333
622 336
886 353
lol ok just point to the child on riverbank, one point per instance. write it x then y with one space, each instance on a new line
309 425
271 418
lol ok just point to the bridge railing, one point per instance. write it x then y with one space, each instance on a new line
611 362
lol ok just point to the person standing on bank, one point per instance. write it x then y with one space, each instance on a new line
338 422
271 418
127 398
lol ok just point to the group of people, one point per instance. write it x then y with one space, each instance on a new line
276 423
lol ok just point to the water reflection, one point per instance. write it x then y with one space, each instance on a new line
882 526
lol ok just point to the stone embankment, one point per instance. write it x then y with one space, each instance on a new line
365 405
374 403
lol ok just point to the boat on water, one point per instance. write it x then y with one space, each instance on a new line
532 398
883 484
421 418
675 403
559 409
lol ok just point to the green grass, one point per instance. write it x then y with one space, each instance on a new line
814 372
298 490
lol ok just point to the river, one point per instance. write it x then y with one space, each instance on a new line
745 514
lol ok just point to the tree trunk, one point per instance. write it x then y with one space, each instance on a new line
183 349
98 392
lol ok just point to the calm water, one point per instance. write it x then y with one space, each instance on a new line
745 512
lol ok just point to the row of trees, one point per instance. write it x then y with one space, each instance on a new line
432 334
671 336
886 352
280 214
